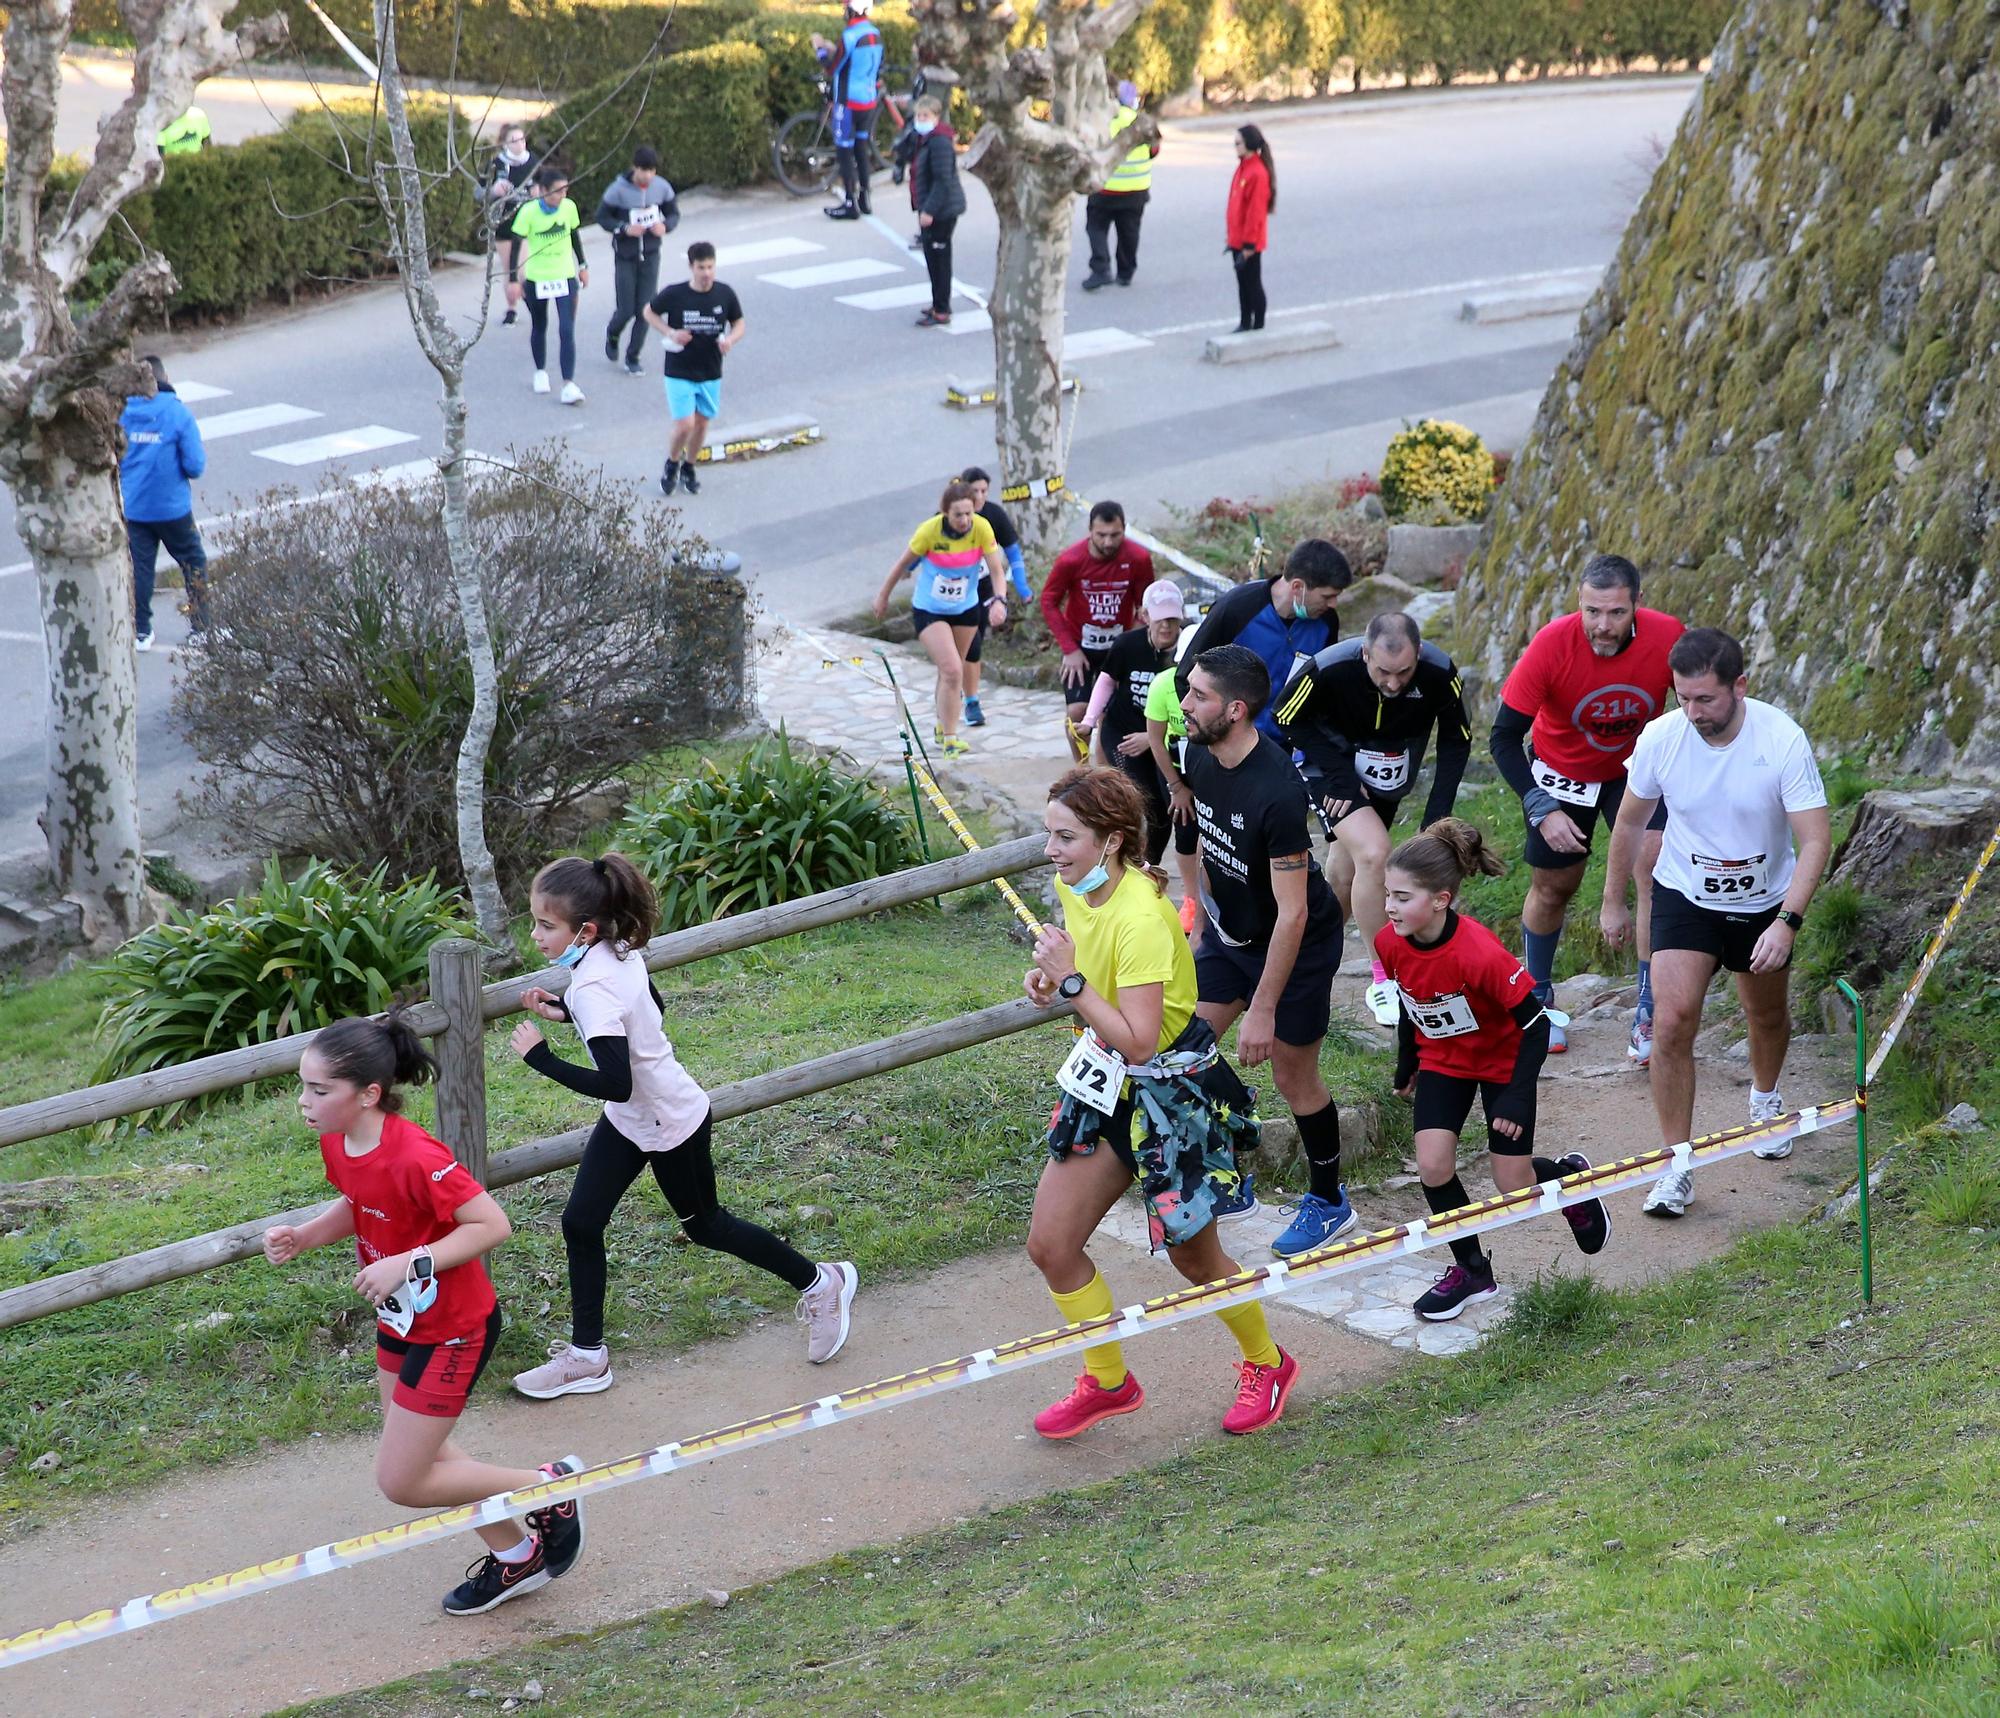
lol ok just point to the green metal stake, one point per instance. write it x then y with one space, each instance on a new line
910 735
1861 1129
916 800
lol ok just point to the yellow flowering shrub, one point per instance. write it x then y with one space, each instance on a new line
1434 464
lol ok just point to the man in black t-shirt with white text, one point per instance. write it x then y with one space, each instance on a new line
700 320
1273 939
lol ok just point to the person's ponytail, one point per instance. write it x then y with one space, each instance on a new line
1445 854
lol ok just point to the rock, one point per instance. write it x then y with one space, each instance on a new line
1425 554
716 1597
1737 1052
47 1462
1425 607
1963 1119
1893 828
1370 508
531 1692
1614 1545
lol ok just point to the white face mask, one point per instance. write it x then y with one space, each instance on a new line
516 156
924 127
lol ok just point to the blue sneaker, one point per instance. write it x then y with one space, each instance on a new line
1241 1203
974 716
1315 1223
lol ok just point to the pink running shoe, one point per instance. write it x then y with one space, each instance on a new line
1261 1394
1088 1403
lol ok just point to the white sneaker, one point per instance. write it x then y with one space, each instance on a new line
541 381
143 642
572 395
1384 1002
1671 1194
566 1373
1763 1110
823 1310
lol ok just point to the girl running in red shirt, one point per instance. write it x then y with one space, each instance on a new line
421 1226
1471 1027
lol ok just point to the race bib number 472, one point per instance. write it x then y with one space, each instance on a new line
1093 1074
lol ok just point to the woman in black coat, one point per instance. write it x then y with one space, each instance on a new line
940 201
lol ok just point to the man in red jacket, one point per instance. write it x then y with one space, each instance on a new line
1091 596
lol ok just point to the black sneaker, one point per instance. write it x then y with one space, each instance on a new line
560 1526
490 1583
842 212
1446 1298
510 318
1092 282
611 347
687 477
668 476
1590 1223
632 367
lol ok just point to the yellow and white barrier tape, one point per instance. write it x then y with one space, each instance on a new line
967 395
1033 489
746 447
1278 1278
956 825
1906 1005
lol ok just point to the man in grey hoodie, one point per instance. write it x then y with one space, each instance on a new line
638 211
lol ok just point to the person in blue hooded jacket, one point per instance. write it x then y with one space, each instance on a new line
854 70
162 452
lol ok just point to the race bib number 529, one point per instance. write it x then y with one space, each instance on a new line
1726 880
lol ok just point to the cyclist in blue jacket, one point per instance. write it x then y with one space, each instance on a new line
162 451
854 64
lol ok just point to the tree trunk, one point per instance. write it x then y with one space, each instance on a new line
1031 272
67 513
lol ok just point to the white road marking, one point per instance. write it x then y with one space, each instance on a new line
1097 342
337 445
250 420
977 322
21 637
828 273
960 289
890 297
193 393
1379 298
762 250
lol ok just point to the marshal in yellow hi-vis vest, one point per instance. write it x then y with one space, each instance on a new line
1135 172
187 134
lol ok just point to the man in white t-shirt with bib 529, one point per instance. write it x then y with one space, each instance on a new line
1746 843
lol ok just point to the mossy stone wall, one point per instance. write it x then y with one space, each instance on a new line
1784 401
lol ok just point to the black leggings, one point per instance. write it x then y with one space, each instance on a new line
937 258
611 1163
1250 288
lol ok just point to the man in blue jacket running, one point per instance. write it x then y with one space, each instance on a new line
162 451
1286 620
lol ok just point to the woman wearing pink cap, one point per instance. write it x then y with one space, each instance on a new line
1117 709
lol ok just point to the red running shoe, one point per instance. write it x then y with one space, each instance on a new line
1260 1396
1088 1403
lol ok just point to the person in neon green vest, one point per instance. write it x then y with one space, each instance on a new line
553 270
1120 203
186 135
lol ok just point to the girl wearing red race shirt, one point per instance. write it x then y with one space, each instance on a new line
1471 1027
421 1226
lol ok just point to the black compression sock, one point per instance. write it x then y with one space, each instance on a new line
1319 1138
1450 1197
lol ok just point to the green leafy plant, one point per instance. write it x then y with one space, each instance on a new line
1960 1195
779 825
294 955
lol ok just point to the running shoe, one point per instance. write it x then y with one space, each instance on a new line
1384 1002
822 1309
1091 282
1671 1195
541 381
1590 1222
633 367
572 395
974 716
1763 1110
934 319
490 1583
1316 1222
1446 1298
611 347
143 642
670 476
1545 994
954 746
1242 1203
845 211
559 1526
689 482
1640 1046
1260 1395
565 1373
512 317
1088 1403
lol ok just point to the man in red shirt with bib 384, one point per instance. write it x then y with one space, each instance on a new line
1585 687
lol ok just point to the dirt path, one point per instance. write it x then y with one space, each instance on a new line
742 1521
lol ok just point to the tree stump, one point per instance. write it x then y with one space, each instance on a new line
1894 829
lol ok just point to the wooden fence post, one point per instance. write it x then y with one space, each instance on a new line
461 1052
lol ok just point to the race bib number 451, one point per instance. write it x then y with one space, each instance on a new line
1725 880
1442 1016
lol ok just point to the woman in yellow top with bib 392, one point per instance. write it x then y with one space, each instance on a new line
1145 1078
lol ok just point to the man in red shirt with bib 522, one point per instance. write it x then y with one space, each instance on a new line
1582 691
1089 599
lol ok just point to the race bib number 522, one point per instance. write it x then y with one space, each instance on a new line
1567 789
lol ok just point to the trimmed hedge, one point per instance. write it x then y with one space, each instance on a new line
705 111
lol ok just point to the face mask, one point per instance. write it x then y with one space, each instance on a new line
549 208
1097 876
516 156
574 953
924 127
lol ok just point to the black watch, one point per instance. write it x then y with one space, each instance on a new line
422 1268
1071 987
1787 917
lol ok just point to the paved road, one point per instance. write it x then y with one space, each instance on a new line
1388 215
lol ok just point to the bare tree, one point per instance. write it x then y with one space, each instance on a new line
63 382
1045 139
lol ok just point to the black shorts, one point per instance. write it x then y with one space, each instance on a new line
1187 836
1543 857
1729 937
436 1378
921 618
1076 688
1445 1100
1305 1006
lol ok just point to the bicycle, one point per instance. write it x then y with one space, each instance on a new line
802 154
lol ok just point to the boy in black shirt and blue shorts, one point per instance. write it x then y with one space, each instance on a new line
1272 943
700 320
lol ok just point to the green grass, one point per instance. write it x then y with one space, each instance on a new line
1726 1493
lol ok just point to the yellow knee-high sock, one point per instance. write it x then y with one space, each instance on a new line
1105 1363
1252 1333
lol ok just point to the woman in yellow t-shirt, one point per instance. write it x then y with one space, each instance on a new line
1178 1112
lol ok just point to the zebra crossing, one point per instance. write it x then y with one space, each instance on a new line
257 420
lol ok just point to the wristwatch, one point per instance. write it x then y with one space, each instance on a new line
422 1266
1787 917
1071 987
